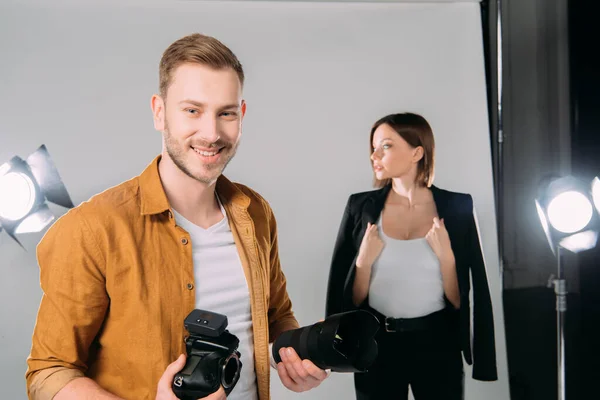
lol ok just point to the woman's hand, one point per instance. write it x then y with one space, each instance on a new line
370 247
438 239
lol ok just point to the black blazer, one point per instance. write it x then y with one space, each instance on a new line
457 211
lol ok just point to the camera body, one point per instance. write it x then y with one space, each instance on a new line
212 357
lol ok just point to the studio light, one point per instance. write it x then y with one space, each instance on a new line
25 188
566 210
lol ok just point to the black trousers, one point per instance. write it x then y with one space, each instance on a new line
428 360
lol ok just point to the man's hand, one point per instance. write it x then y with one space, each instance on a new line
164 390
296 374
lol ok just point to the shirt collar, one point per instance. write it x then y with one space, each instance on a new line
154 199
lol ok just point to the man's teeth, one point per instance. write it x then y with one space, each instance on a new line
206 153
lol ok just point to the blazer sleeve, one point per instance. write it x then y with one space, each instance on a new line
484 350
341 273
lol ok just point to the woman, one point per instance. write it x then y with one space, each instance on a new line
404 253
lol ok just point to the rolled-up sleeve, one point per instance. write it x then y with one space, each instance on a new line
73 305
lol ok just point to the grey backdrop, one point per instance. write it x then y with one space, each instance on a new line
78 76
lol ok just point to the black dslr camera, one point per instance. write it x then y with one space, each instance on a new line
212 357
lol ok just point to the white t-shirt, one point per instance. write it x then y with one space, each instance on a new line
221 287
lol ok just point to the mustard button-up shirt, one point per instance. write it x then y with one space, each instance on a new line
117 277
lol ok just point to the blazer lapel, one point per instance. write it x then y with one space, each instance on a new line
376 201
374 205
441 201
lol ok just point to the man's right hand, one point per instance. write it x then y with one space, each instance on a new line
164 390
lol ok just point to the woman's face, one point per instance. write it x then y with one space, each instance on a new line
392 156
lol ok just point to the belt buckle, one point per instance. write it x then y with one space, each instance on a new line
387 324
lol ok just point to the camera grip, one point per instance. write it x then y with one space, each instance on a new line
196 381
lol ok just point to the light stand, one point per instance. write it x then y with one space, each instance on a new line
560 289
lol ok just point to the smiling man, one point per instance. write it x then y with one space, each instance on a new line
120 272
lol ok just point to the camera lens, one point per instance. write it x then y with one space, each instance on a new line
231 371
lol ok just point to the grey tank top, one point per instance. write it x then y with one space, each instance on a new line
406 281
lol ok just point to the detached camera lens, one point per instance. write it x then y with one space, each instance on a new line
343 342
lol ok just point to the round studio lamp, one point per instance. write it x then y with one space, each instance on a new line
570 211
17 196
566 210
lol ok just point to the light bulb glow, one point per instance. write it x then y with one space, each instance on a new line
570 212
17 196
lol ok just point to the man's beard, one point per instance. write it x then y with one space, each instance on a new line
178 154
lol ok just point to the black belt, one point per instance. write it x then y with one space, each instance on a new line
434 320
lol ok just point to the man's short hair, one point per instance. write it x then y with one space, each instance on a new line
197 49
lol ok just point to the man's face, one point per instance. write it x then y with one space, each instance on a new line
201 119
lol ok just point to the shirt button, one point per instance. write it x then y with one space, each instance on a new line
184 241
190 286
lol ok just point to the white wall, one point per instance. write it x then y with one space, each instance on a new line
79 78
